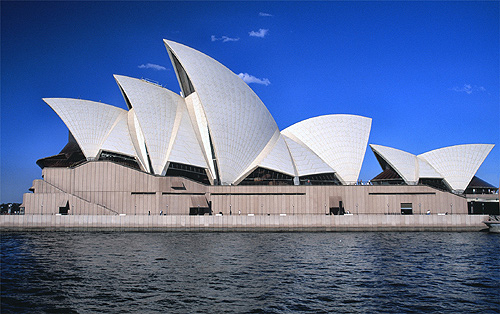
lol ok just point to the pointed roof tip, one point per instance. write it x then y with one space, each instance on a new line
119 76
169 42
378 147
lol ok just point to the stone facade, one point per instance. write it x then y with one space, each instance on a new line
107 188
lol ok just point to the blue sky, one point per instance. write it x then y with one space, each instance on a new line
427 73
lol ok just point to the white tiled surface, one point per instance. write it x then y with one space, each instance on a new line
279 158
243 132
119 139
306 161
340 140
404 163
89 122
200 124
155 108
138 139
186 148
240 124
458 164
426 171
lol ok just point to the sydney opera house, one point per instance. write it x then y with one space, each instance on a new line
215 149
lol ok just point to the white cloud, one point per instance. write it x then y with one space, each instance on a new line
247 78
469 89
264 14
224 38
261 33
152 66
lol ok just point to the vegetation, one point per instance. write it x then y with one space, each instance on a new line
10 209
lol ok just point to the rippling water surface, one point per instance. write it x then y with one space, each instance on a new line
115 272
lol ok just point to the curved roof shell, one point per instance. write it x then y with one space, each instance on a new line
404 163
186 147
156 109
91 124
279 158
217 123
340 140
458 164
119 140
306 161
239 124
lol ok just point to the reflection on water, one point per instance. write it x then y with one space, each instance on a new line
70 272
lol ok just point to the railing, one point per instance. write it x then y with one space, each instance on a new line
151 81
494 218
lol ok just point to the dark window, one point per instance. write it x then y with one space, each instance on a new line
406 209
120 159
435 183
194 173
320 179
483 208
263 176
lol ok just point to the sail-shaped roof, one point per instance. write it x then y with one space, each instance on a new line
340 140
458 164
306 161
119 140
156 109
240 125
404 163
90 122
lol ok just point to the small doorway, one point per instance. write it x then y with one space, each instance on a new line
63 210
336 206
200 206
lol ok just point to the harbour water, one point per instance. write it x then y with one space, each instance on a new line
130 272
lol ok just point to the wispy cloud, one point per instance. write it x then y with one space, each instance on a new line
224 38
261 33
152 66
469 89
265 14
247 78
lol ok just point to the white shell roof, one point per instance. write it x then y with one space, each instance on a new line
200 126
426 171
340 140
90 122
119 140
138 140
225 115
279 158
156 109
239 123
458 164
221 116
186 148
306 161
404 163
